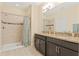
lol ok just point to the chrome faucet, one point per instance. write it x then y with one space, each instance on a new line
50 29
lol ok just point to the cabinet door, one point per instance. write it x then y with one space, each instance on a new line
42 46
67 52
51 49
36 42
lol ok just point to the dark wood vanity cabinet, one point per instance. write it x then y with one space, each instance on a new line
58 47
54 50
36 43
40 43
42 46
51 49
55 47
67 52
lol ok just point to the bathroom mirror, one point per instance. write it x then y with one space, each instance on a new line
64 17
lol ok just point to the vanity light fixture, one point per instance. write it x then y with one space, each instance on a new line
17 4
47 6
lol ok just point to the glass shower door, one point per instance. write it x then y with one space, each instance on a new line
26 32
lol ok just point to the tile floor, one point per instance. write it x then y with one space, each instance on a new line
23 51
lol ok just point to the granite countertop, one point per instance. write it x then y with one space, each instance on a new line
66 38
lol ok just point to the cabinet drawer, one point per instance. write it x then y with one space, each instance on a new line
70 45
40 36
67 52
55 40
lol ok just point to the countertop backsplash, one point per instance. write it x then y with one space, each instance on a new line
76 34
66 34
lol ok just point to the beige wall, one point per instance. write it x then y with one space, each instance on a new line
0 25
36 20
28 11
13 10
0 29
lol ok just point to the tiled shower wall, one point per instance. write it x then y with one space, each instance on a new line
11 28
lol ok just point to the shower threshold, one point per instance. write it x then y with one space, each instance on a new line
10 47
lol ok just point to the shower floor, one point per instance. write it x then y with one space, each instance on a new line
22 51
